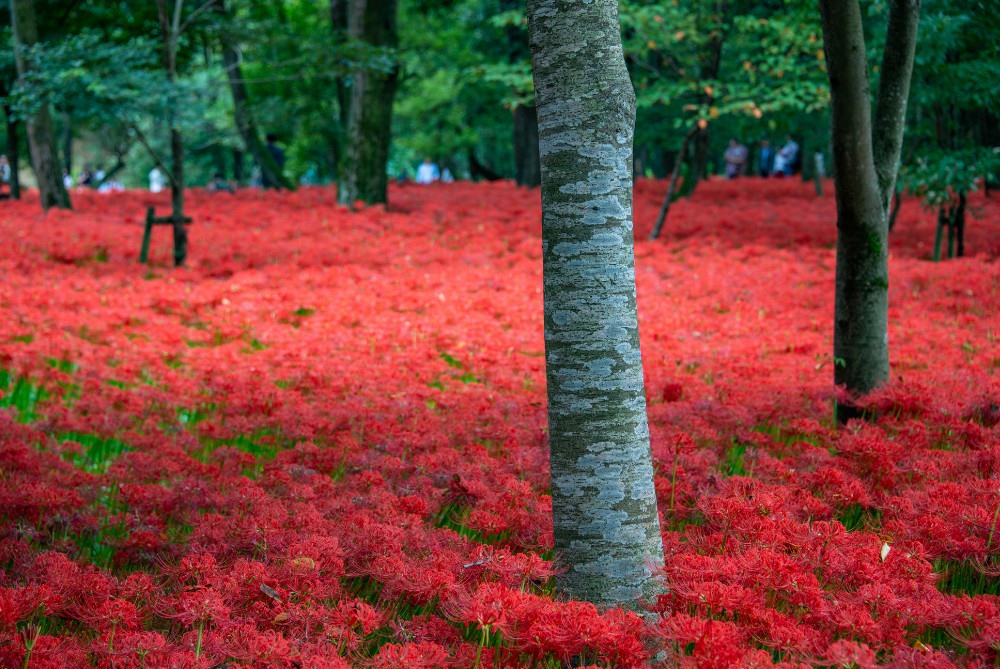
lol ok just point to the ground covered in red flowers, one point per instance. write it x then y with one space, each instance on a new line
322 444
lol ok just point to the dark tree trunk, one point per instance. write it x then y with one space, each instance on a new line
668 198
271 172
958 222
41 136
238 174
865 176
700 160
526 162
479 171
13 153
67 142
169 26
339 25
897 202
177 196
372 92
607 531
110 174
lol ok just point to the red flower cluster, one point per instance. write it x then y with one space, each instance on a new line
322 444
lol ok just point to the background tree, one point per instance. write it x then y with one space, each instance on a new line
706 72
607 530
954 118
41 137
372 22
866 156
272 174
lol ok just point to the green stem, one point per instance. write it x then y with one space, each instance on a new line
484 639
111 637
989 542
197 648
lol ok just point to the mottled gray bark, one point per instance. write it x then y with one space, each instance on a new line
607 530
41 136
370 120
893 92
860 336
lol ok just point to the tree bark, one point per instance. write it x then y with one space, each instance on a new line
339 25
607 530
41 136
13 153
527 168
893 93
169 26
860 337
369 129
238 175
67 142
271 172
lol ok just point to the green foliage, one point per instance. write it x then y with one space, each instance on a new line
939 177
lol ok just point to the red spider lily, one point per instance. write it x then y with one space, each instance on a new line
323 443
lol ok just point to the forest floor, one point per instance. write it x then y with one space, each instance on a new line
322 444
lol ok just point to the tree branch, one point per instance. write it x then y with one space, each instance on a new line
893 92
156 158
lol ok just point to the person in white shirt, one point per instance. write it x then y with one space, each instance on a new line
784 162
427 173
156 180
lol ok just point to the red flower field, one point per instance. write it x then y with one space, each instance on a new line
322 444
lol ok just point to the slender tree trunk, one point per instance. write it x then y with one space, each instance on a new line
177 197
369 129
669 197
607 531
861 337
169 25
527 167
41 136
958 222
13 153
897 202
110 174
893 93
271 172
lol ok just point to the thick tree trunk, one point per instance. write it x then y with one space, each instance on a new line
271 172
339 25
13 153
67 142
527 170
607 531
41 136
369 129
861 337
